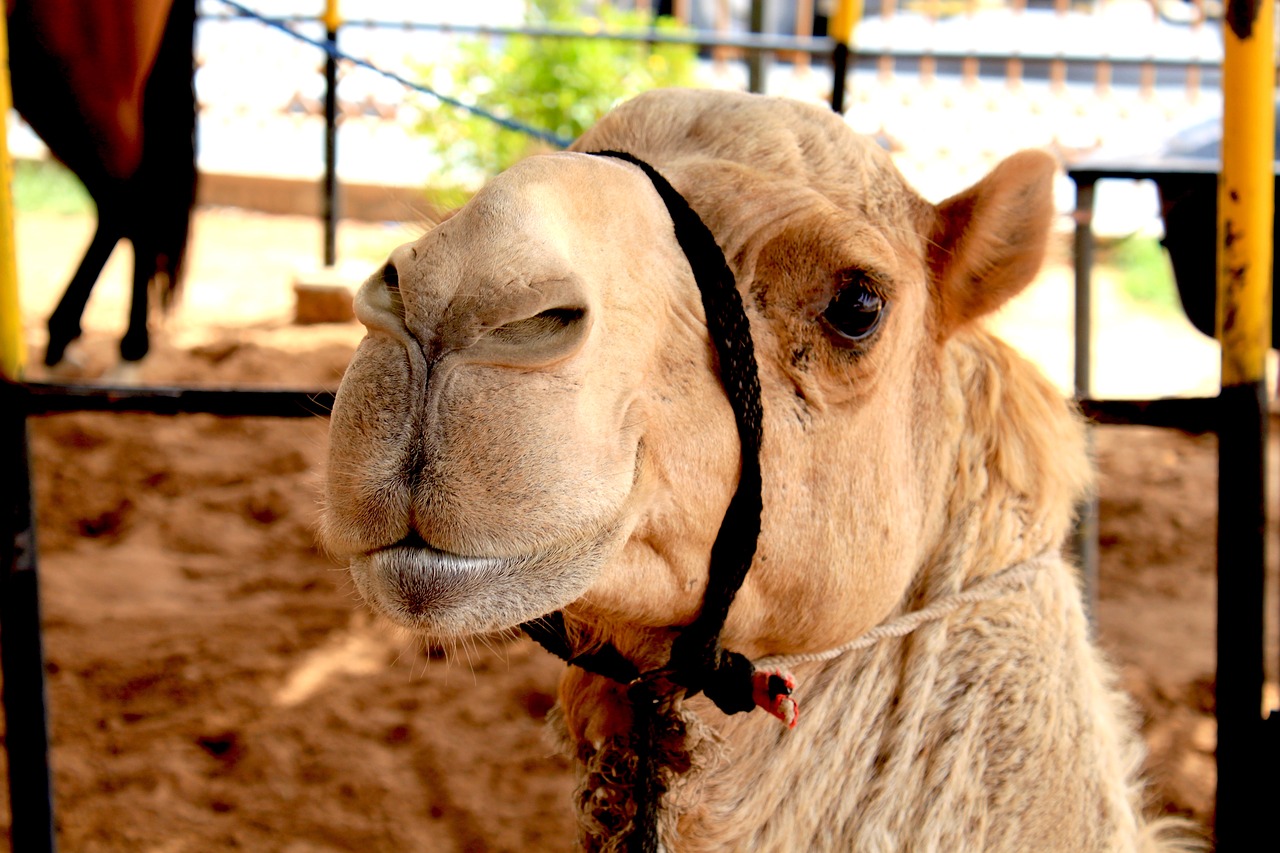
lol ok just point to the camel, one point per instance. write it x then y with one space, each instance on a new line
535 431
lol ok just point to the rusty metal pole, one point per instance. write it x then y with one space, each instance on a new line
1245 213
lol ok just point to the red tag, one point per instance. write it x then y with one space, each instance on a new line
772 691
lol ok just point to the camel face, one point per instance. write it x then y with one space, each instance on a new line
535 420
490 447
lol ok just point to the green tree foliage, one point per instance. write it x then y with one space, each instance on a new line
561 85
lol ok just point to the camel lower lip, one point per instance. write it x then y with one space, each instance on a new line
423 580
445 594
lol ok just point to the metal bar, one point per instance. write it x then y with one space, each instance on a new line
1241 813
1083 259
26 728
332 22
816 45
43 399
21 651
846 18
839 71
1085 537
1192 415
756 60
1094 170
1245 213
12 348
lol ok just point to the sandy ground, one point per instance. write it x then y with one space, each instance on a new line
215 684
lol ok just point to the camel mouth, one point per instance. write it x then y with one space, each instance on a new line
442 594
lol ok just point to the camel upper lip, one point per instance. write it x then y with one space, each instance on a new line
414 540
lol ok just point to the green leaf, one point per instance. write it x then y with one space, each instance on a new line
562 85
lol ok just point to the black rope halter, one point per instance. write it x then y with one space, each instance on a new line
697 663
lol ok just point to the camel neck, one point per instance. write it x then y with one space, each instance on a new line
934 740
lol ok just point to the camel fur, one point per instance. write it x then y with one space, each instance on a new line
535 422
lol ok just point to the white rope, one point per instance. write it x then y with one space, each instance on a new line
984 590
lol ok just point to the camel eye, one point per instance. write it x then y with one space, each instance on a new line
855 312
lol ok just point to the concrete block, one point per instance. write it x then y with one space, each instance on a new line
323 296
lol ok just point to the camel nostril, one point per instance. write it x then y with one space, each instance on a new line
391 280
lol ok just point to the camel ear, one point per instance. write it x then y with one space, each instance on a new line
989 240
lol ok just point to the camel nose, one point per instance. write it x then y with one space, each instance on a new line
378 304
526 321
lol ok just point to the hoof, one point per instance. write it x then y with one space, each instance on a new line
56 351
66 361
134 348
63 332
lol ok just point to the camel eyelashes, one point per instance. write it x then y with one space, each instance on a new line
854 313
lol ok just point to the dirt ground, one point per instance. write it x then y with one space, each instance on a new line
215 684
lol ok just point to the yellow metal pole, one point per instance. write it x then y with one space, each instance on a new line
1245 199
12 349
330 201
848 13
1246 189
332 15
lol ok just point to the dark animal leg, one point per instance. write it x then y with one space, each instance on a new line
64 323
136 341
160 194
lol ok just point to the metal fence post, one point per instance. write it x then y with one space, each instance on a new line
332 23
1245 212
756 58
847 15
12 350
21 648
1086 532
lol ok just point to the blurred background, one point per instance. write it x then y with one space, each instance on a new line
948 87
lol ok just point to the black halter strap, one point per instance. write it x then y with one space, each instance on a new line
697 662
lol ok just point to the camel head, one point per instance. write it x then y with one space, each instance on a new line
536 422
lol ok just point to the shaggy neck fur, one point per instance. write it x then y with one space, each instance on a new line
995 728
